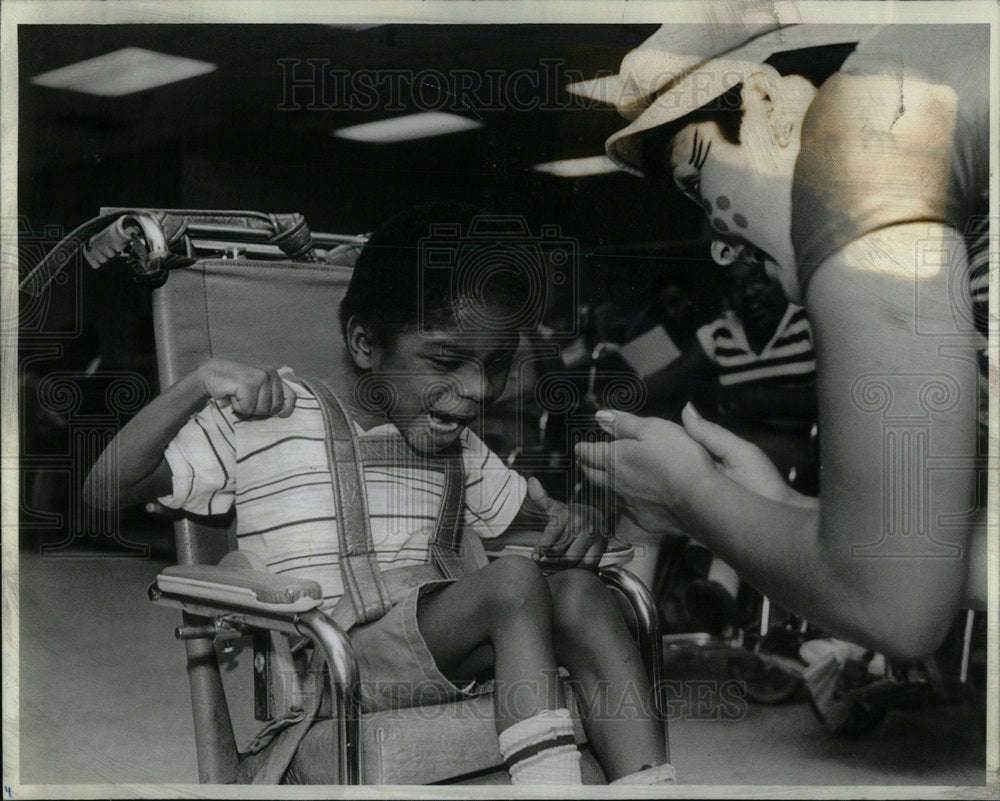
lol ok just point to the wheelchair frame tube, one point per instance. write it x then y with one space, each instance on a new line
215 744
344 680
649 638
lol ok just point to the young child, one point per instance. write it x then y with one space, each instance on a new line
430 360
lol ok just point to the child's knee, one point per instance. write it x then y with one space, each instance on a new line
518 585
582 601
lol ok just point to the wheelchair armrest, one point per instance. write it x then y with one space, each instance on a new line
523 544
234 594
239 587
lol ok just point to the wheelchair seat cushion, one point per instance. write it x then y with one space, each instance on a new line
420 745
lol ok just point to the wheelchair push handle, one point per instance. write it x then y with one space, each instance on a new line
135 234
140 237
158 240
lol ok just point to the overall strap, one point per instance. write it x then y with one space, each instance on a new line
445 548
359 567
283 737
391 450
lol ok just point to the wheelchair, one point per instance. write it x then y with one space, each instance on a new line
852 696
215 276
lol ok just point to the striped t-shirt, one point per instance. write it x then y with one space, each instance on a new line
788 355
275 472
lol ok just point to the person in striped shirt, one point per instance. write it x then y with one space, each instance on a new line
762 352
761 348
430 360
758 353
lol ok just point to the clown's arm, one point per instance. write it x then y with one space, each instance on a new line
883 558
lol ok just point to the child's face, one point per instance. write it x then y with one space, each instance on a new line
756 298
441 380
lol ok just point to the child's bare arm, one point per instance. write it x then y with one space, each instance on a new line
576 535
132 468
527 525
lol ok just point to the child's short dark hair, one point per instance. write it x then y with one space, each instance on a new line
394 289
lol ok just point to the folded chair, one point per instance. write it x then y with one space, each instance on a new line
265 290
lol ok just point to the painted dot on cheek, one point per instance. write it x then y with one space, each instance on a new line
722 202
719 225
740 220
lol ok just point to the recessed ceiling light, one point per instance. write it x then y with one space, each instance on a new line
573 168
412 126
122 72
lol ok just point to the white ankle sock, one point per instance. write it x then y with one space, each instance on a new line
660 774
541 750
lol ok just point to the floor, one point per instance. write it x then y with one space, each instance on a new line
103 699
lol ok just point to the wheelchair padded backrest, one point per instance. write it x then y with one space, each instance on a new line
263 313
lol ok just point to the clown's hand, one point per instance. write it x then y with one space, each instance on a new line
654 465
737 459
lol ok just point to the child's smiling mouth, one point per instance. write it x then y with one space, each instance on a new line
446 423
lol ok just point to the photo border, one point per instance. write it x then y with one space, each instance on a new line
18 12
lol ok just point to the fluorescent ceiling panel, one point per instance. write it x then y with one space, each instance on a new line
573 168
412 126
123 72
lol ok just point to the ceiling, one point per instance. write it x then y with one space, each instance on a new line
237 130
239 138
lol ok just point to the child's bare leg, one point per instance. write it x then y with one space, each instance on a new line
594 645
502 615
499 615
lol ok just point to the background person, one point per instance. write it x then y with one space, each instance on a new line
759 354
